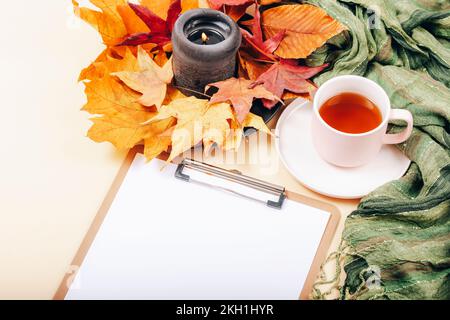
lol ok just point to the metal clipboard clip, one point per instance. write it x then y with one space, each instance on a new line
235 177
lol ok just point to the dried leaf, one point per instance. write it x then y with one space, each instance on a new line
110 61
161 7
123 82
160 30
307 28
157 142
254 121
289 96
107 96
240 95
158 7
107 20
197 121
218 4
120 116
119 130
173 94
236 135
237 12
187 5
264 49
151 80
151 14
268 2
284 75
131 21
251 66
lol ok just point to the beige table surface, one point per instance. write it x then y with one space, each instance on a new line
52 178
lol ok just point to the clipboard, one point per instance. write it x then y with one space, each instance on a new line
278 193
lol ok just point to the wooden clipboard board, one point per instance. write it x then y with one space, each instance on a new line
88 240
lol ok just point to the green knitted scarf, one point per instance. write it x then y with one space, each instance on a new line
397 244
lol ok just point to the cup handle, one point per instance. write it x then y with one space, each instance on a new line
400 114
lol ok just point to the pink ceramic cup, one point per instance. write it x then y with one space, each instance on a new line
354 150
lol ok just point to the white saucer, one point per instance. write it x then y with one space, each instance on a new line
296 150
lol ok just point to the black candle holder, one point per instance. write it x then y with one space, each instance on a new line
199 61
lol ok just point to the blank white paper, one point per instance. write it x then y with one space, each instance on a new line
168 239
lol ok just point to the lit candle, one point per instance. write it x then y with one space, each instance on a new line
205 44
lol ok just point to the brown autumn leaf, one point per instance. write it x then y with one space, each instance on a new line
240 95
196 121
307 28
151 80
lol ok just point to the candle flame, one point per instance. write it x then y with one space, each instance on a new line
205 38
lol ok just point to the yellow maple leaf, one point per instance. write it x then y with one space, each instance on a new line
151 80
120 118
107 21
121 131
197 121
156 141
107 96
119 115
110 61
173 94
125 133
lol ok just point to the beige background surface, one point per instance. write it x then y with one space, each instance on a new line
52 178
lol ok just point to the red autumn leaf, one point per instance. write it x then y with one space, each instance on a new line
256 39
218 4
287 75
160 30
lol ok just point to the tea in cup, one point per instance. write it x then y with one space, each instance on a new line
350 120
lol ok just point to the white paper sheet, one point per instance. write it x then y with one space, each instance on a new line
168 239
